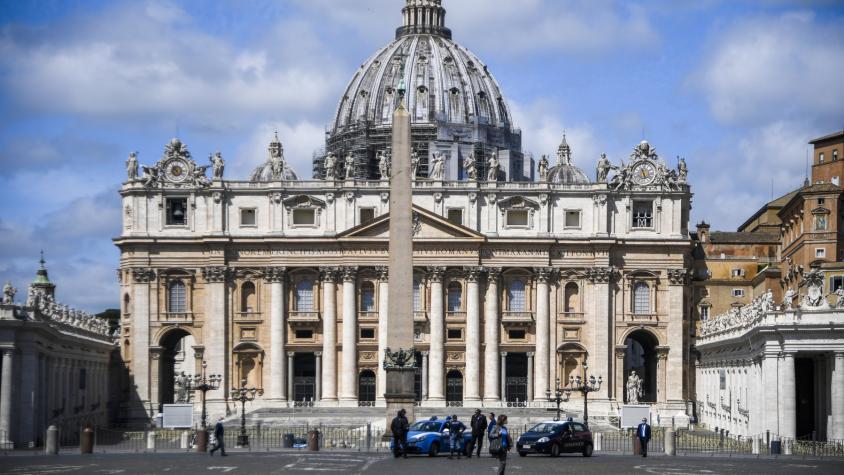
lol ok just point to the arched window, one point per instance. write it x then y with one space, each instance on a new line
455 297
176 297
367 297
305 296
641 298
247 297
516 296
572 302
417 295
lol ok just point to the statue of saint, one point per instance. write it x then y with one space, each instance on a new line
634 388
789 298
329 166
839 292
414 164
182 386
218 165
542 168
604 167
132 166
682 171
350 166
9 293
383 164
437 167
493 167
471 167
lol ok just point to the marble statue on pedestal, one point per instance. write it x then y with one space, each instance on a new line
132 166
182 387
218 165
383 164
414 164
542 168
470 165
634 388
9 293
437 167
682 171
330 166
493 167
603 169
350 166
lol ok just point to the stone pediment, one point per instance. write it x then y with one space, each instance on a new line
428 226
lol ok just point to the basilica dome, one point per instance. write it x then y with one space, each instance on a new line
564 172
449 92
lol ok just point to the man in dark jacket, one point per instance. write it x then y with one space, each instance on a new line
455 432
399 428
478 425
643 432
219 432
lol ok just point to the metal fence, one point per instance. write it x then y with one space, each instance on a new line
698 443
622 441
5 443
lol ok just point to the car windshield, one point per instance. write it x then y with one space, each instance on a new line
425 426
545 427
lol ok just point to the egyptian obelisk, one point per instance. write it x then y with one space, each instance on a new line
399 361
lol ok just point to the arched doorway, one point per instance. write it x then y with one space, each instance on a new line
640 356
454 388
366 388
176 360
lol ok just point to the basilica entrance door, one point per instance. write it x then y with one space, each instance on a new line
366 388
304 377
516 369
454 388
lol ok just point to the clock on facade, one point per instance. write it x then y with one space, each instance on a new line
176 171
644 173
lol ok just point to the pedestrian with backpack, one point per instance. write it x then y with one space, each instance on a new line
500 442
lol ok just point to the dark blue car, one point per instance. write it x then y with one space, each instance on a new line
556 437
431 437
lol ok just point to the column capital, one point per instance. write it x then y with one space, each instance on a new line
678 276
142 275
7 351
350 273
318 354
215 274
329 274
602 275
436 273
473 273
275 274
425 353
493 273
155 352
503 353
530 354
383 273
291 354
838 354
544 274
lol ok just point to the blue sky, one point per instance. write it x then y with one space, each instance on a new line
737 88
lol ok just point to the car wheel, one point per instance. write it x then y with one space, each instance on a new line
587 450
522 454
555 450
435 450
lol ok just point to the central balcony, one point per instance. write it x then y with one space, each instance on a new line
304 319
517 319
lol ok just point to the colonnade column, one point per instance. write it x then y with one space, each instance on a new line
836 431
348 390
473 337
290 356
425 375
276 277
6 394
677 284
788 397
600 362
383 315
141 278
215 329
437 356
318 376
491 377
543 334
27 383
530 366
329 334
502 378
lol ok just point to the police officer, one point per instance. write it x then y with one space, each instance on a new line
479 426
399 427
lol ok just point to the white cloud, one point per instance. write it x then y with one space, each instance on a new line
788 67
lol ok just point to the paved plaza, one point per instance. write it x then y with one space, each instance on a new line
382 464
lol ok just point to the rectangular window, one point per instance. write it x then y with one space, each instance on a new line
834 155
821 201
304 334
738 273
367 214
643 214
304 217
836 282
455 334
247 217
820 157
455 215
738 292
704 313
572 219
517 218
517 334
367 333
177 211
820 252
417 296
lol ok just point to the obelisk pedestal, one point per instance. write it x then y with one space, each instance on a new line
399 358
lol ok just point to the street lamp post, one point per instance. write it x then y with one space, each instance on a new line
204 383
584 386
244 395
558 398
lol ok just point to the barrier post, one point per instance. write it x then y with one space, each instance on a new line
51 445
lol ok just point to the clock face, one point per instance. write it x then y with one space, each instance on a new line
176 171
644 173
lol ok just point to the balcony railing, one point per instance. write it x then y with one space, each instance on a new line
368 315
643 317
455 315
249 315
177 316
420 316
517 318
571 316
304 318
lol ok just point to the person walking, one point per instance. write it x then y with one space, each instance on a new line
500 442
644 434
478 424
455 434
219 434
399 427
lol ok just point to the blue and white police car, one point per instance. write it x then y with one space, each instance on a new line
432 437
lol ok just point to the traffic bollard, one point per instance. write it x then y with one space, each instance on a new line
151 440
313 441
51 445
202 440
86 441
755 446
185 440
599 439
669 443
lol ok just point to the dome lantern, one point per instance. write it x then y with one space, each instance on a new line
423 17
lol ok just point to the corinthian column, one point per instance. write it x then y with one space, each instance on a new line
436 359
141 278
491 374
836 394
329 334
543 331
383 315
215 329
348 390
276 276
472 387
6 394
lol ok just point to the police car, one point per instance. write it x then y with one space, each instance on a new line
556 437
432 437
